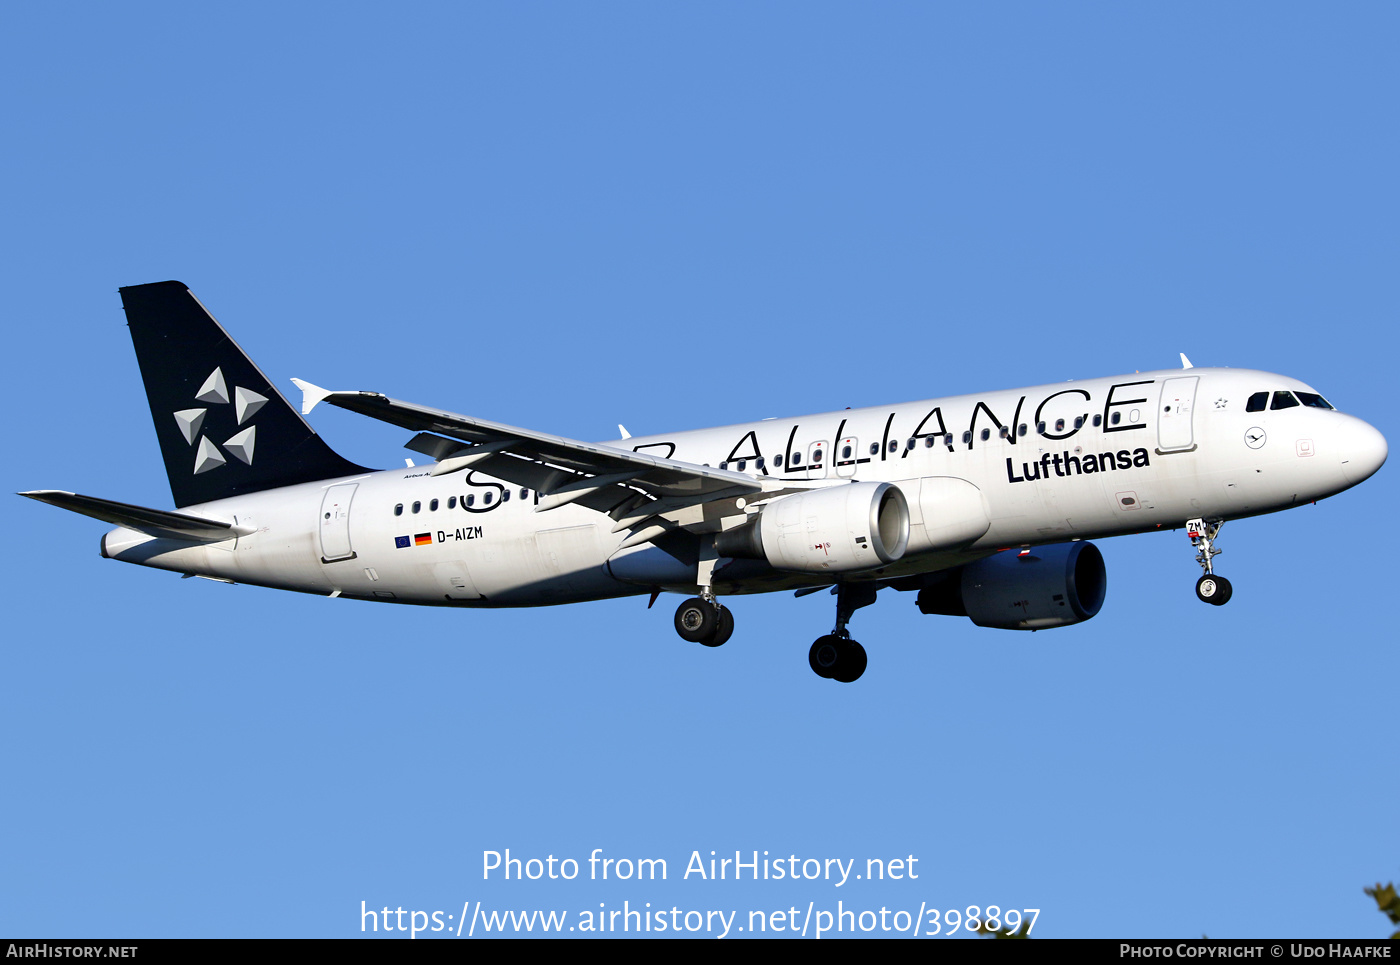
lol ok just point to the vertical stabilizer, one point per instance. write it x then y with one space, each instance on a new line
223 429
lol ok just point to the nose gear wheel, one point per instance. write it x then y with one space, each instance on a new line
1215 590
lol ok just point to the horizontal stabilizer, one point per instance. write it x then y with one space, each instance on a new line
152 522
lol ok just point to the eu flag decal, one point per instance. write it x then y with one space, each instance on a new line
401 542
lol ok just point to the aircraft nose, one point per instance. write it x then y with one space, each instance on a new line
1363 450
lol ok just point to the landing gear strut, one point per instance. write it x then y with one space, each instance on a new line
1212 589
836 656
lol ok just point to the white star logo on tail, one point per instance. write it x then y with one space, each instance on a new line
246 404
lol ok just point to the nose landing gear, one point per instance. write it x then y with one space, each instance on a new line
1212 589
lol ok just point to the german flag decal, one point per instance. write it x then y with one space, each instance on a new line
423 539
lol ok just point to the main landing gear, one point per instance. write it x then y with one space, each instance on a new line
836 656
1212 589
704 621
701 619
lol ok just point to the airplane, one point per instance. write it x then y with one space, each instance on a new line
981 505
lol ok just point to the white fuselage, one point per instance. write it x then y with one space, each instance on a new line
1069 461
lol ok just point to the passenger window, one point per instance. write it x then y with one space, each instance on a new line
1098 421
525 493
817 457
874 448
1079 422
1040 427
758 463
928 442
505 495
1116 418
486 498
912 443
1283 400
469 501
1257 402
778 461
967 436
893 445
398 510
432 506
1006 432
417 507
1059 425
986 434
845 452
451 502
1021 429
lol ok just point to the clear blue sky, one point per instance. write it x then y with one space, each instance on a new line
567 216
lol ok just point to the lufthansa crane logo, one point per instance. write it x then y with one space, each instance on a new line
245 402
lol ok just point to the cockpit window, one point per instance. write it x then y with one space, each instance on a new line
1313 400
1258 402
1283 400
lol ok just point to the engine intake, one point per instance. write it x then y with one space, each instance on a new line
1049 586
838 530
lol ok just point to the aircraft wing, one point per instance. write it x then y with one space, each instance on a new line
632 486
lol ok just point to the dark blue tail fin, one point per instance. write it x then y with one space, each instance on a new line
223 429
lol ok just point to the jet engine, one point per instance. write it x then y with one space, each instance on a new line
837 530
1047 586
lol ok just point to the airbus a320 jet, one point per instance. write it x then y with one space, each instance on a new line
981 505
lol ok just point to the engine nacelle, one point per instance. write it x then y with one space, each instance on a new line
837 530
1049 586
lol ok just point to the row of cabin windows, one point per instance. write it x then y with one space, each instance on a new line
848 452
1257 402
468 500
1286 400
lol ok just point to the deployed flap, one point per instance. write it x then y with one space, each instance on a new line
542 462
152 522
